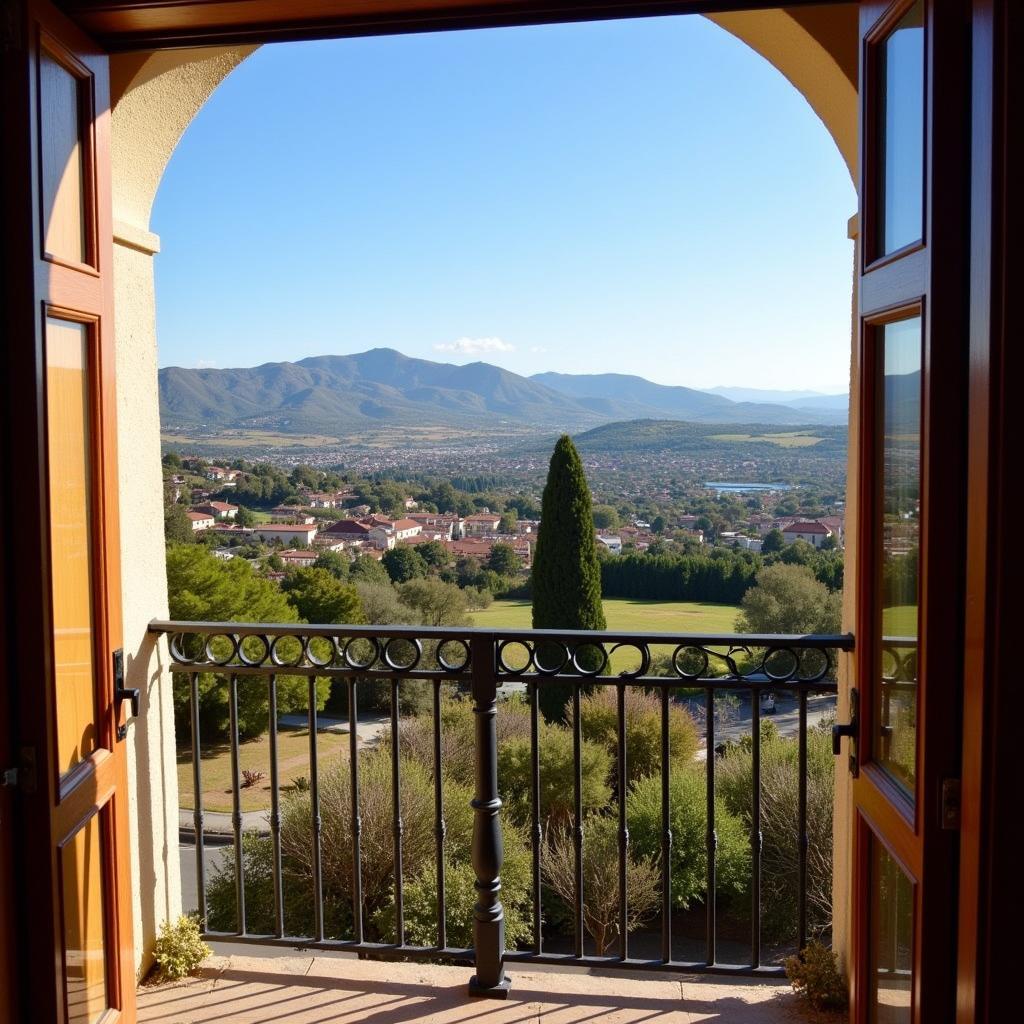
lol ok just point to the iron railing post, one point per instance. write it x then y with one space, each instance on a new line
487 853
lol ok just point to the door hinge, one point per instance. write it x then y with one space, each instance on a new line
949 811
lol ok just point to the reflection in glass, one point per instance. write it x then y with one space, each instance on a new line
901 131
85 973
63 172
894 715
892 937
67 421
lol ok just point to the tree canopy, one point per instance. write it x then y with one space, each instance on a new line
566 570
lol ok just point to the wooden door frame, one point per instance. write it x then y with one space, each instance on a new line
936 270
46 799
990 884
987 867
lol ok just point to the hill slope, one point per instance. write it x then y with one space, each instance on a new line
339 395
643 399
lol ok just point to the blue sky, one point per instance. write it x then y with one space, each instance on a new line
645 196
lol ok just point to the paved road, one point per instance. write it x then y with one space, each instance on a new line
786 718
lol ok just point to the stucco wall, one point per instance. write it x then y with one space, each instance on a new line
155 98
153 796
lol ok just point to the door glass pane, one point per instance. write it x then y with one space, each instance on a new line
901 131
85 974
63 177
894 715
67 418
892 935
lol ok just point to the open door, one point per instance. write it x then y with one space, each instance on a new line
62 580
913 295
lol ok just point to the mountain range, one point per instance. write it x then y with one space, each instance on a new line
336 395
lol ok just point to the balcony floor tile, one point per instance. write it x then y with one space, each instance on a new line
296 989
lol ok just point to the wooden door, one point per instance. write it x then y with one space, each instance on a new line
63 579
913 299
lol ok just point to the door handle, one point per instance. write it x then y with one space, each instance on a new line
848 729
839 731
121 693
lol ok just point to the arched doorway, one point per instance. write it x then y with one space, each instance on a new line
155 96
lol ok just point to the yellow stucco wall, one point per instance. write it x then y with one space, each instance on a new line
155 97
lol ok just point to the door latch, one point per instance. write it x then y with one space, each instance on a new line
949 813
849 730
122 694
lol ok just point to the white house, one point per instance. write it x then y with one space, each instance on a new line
809 530
292 533
200 520
217 509
298 559
613 544
480 524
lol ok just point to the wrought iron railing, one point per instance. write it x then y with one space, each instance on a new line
482 661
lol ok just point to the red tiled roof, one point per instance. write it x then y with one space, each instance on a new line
348 526
286 528
806 527
405 524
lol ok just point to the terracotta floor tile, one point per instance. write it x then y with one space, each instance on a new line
302 989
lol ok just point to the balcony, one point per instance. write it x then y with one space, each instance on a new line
306 989
326 883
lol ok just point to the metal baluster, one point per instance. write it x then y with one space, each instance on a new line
803 838
623 826
357 822
314 806
275 810
577 759
396 825
439 826
755 828
712 835
197 789
666 834
538 937
487 854
236 806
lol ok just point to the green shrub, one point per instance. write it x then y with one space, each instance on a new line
688 822
179 948
599 723
416 735
377 861
780 855
557 774
814 974
600 878
461 897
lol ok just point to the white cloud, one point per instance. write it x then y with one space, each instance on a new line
537 349
473 346
205 364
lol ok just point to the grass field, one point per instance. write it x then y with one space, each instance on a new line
792 439
900 620
627 616
254 755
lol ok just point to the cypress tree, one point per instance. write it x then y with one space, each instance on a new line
566 571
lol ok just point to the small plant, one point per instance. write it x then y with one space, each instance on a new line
251 776
814 974
180 948
300 784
